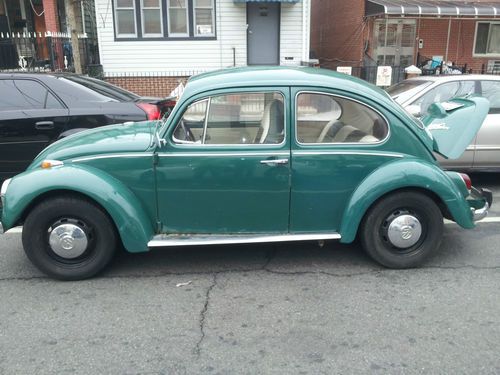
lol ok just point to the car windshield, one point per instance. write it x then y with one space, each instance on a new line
405 90
103 88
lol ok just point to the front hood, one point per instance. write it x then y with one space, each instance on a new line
454 124
128 137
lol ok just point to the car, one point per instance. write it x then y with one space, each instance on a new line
417 94
37 109
255 154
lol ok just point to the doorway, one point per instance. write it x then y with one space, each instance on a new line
263 21
395 42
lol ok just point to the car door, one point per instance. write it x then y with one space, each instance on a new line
338 141
487 147
442 93
31 117
225 166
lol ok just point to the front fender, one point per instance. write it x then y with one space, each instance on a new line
401 174
133 224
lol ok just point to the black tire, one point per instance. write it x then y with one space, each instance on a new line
99 230
374 231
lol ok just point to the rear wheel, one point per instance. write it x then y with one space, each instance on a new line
402 230
69 238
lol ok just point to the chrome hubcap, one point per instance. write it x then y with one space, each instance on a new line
404 231
69 241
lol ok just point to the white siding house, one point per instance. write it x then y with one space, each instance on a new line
181 37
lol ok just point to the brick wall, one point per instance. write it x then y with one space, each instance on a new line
148 86
434 33
50 15
338 31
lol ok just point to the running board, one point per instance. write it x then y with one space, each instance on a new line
162 240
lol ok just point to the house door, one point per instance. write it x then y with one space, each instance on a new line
395 42
263 33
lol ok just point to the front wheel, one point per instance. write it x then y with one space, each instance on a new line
69 238
402 230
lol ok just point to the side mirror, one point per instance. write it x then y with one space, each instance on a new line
414 109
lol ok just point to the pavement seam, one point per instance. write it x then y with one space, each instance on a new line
203 314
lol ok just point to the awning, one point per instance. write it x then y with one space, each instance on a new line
266 1
431 8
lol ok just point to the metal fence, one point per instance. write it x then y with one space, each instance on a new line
45 52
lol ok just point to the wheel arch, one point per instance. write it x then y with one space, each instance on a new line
400 176
133 225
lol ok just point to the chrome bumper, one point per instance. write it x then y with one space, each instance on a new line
480 213
486 197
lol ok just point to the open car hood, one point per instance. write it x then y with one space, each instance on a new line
454 124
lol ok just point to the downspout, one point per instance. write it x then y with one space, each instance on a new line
308 29
303 31
447 40
219 32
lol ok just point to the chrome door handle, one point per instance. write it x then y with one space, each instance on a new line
274 161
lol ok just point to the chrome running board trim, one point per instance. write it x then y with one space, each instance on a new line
163 240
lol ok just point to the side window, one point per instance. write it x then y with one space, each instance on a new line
25 94
491 91
323 118
190 127
243 118
443 93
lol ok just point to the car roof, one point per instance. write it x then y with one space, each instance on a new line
456 77
39 75
281 76
53 81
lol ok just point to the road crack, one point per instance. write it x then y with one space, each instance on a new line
203 315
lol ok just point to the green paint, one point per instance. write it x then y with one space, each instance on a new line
226 189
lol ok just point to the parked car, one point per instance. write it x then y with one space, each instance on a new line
417 94
38 109
251 155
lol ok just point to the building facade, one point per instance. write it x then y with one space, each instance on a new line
402 33
34 34
165 41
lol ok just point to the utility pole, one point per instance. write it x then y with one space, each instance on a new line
70 13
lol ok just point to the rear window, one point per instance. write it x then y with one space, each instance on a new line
103 88
404 90
80 89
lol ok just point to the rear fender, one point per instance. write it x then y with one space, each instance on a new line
133 224
404 174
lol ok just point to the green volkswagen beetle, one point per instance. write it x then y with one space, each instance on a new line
251 155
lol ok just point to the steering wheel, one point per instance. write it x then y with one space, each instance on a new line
188 134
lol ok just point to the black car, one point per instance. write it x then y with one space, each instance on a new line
38 109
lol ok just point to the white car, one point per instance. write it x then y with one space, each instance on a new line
417 94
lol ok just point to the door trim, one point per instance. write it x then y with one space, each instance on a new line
163 240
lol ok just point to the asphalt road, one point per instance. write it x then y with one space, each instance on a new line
284 309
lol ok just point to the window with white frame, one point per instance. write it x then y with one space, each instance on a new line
152 25
164 19
125 18
178 17
487 38
203 17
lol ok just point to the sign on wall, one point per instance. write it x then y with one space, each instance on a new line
384 75
345 69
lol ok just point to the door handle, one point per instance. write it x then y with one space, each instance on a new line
44 125
274 161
